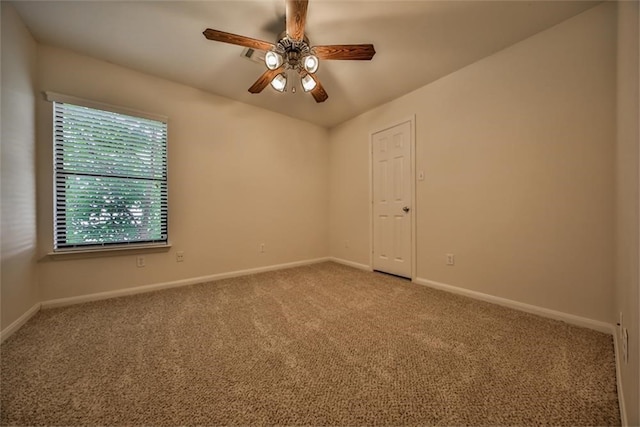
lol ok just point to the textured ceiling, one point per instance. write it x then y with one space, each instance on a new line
417 42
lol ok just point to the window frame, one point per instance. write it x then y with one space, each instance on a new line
54 97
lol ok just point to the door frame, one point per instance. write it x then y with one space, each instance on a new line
412 175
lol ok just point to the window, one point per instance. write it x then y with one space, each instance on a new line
110 178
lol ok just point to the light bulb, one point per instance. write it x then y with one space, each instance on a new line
279 82
308 83
273 60
311 64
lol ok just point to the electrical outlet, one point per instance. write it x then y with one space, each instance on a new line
620 325
180 256
625 345
140 262
451 259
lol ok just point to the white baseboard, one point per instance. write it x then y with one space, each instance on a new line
61 302
17 324
623 409
351 263
534 309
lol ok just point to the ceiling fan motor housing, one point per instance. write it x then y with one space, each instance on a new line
293 51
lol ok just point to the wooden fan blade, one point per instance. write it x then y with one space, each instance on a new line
318 92
362 52
264 80
221 36
296 18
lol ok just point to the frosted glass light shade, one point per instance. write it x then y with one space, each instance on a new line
308 83
279 82
311 64
273 60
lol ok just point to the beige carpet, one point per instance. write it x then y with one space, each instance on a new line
319 345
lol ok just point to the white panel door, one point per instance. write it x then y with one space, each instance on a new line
392 208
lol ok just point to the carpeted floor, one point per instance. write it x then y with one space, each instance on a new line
318 345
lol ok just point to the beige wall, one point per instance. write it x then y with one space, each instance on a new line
627 219
17 173
238 176
518 156
518 152
517 149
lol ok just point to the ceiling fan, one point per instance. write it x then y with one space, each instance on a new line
293 54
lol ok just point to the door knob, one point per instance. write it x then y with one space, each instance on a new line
406 209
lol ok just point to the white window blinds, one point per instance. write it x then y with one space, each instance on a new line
110 178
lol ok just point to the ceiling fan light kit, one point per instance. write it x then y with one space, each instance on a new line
311 63
279 82
273 60
292 54
308 83
295 56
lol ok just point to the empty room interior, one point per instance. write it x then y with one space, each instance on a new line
321 213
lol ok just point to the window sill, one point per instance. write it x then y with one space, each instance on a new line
109 251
